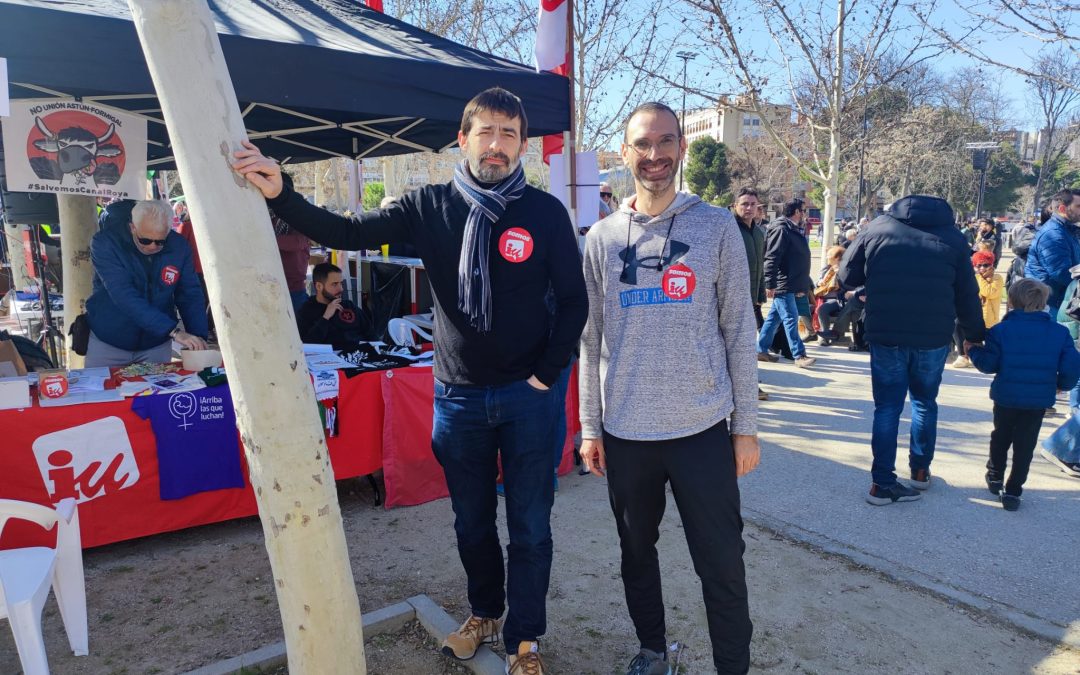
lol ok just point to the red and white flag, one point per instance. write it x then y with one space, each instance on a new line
551 54
550 51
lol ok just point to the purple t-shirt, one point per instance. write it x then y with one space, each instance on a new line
197 447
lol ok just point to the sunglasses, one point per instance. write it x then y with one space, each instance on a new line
605 194
982 265
150 242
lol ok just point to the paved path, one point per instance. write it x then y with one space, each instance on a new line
957 539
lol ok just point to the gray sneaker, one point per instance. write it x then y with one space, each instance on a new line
648 662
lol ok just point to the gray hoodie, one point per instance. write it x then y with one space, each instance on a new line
670 353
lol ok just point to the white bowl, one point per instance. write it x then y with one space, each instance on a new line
197 359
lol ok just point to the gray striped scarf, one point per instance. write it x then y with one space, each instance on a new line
485 208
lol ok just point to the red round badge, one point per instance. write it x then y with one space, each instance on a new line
516 245
679 282
53 386
347 315
169 275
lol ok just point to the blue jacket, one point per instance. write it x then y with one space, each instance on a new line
135 298
916 267
1054 250
1033 357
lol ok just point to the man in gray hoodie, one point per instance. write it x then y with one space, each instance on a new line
669 387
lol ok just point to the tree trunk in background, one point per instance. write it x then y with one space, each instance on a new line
78 224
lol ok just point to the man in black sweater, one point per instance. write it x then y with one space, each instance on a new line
329 318
494 247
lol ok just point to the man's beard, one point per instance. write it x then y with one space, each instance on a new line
491 173
327 298
656 186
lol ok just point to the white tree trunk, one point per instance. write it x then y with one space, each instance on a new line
20 273
78 223
832 186
274 400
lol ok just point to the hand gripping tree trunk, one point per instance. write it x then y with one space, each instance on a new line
274 401
78 222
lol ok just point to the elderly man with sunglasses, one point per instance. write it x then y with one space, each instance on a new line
143 274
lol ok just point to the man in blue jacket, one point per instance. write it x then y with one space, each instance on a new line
916 268
143 273
1056 247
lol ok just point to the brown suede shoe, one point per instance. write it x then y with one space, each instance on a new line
766 357
527 661
463 643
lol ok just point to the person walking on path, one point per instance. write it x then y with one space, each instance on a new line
669 295
1033 357
494 248
909 321
1056 247
787 275
991 286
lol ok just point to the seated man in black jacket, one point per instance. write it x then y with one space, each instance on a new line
329 318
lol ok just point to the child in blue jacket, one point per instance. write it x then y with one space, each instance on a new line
1033 357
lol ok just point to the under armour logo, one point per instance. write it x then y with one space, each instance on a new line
676 252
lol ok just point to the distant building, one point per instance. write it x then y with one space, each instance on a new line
729 125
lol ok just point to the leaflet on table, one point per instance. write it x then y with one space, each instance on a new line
88 379
76 398
325 361
175 383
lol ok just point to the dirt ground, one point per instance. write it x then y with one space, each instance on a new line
171 603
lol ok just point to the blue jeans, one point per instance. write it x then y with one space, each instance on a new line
895 372
784 310
472 427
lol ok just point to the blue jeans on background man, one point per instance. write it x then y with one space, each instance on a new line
473 426
785 310
894 373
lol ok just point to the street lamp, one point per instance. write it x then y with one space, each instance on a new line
980 161
686 58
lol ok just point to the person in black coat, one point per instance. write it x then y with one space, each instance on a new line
787 276
916 268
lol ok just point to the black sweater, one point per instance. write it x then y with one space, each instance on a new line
526 337
348 327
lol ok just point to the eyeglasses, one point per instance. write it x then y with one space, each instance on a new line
666 146
150 242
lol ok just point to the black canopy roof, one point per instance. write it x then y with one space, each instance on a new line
315 78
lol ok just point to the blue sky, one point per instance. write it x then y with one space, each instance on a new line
1015 52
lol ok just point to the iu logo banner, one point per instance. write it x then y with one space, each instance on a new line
70 147
87 461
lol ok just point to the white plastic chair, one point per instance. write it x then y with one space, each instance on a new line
403 332
26 574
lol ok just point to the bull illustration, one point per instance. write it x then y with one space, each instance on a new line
77 152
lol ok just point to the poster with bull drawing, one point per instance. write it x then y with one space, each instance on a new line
70 147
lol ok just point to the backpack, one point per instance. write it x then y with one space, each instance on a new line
33 356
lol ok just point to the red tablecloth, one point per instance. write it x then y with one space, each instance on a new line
384 419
